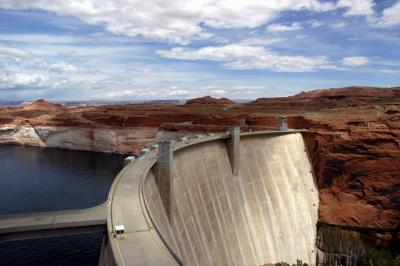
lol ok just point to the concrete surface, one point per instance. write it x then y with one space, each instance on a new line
56 223
267 214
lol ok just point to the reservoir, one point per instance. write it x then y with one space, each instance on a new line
36 179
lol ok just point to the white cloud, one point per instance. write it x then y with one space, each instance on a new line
13 52
25 58
390 71
357 7
315 23
177 21
183 92
355 61
26 70
176 91
233 92
122 94
33 38
237 56
58 67
275 27
390 16
218 91
10 80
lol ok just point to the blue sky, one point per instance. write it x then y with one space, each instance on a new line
178 49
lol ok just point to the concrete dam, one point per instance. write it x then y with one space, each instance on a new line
218 200
265 214
223 199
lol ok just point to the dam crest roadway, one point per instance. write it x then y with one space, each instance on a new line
219 199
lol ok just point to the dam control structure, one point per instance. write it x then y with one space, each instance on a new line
222 199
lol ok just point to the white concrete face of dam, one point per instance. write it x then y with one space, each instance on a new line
267 214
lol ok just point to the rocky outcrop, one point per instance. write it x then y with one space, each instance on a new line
354 140
209 100
351 94
42 104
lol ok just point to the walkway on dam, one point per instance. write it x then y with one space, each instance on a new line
54 223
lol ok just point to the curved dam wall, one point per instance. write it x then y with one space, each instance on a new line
266 214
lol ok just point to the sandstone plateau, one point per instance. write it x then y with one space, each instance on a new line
354 139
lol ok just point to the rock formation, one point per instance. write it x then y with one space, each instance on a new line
42 104
209 100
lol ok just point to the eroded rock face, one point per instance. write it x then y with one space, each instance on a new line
113 140
42 104
354 140
358 179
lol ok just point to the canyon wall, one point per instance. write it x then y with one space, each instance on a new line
113 140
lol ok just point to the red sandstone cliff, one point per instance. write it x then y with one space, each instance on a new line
354 144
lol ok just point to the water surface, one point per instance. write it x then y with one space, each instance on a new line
36 179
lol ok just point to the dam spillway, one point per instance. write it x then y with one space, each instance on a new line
266 214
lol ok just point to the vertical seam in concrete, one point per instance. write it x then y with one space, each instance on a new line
215 201
188 253
233 218
268 153
172 221
259 215
183 251
196 221
271 215
267 233
303 215
219 180
250 177
249 222
284 185
293 199
188 237
206 212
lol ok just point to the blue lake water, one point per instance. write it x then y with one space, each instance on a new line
40 179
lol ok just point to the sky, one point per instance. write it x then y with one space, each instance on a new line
179 49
